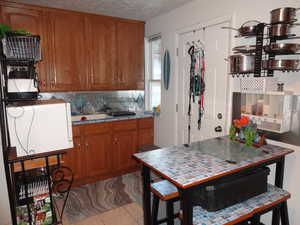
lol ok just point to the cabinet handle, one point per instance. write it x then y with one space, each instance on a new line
87 145
79 147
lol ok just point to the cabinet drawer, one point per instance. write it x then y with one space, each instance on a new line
125 125
76 131
146 123
97 128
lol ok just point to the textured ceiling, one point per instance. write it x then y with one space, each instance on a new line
132 9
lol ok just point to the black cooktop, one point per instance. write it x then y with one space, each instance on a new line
122 113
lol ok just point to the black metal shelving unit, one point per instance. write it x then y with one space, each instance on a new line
261 54
57 178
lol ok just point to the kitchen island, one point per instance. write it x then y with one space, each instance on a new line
201 162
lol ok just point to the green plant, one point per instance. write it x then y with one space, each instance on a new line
250 135
4 29
232 132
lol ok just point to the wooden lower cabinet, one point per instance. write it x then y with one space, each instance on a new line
104 150
146 131
98 148
75 159
125 144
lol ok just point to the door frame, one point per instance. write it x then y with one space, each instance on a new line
195 27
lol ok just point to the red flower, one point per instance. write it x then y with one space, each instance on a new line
244 121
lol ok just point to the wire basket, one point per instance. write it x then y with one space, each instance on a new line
21 47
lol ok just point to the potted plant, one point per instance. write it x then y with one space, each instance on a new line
245 131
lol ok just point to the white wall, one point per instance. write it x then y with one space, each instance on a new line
5 218
202 11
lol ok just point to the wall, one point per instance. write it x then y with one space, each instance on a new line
94 102
5 218
201 11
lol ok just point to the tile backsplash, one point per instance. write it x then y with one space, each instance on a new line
93 102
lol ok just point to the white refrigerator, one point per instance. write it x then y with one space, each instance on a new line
40 126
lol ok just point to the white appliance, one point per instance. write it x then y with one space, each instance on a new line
40 126
21 82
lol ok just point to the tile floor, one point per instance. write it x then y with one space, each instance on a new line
131 214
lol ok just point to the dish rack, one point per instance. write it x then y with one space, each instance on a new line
22 47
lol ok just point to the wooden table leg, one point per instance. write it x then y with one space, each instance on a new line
186 206
146 195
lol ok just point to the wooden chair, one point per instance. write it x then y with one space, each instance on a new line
164 191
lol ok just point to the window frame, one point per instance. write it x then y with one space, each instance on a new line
149 70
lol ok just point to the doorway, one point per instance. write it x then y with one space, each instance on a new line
216 43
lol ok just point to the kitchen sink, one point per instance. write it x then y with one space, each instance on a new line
99 116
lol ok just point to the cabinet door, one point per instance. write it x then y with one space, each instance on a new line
130 42
146 137
101 39
34 22
125 145
98 147
75 159
67 52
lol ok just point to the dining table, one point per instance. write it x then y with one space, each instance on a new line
191 167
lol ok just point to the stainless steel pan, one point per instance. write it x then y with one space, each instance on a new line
246 30
282 48
241 64
245 49
281 64
278 30
284 15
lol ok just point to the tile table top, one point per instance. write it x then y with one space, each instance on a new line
240 211
206 160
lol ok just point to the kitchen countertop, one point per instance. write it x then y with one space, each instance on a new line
138 115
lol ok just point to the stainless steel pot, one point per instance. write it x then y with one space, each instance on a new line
281 64
278 30
282 48
241 64
246 30
283 15
245 49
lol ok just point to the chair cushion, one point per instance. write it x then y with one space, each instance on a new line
165 190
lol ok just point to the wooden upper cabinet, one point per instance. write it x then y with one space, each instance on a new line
34 21
101 40
82 52
69 63
130 43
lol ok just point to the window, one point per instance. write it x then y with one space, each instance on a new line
154 71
